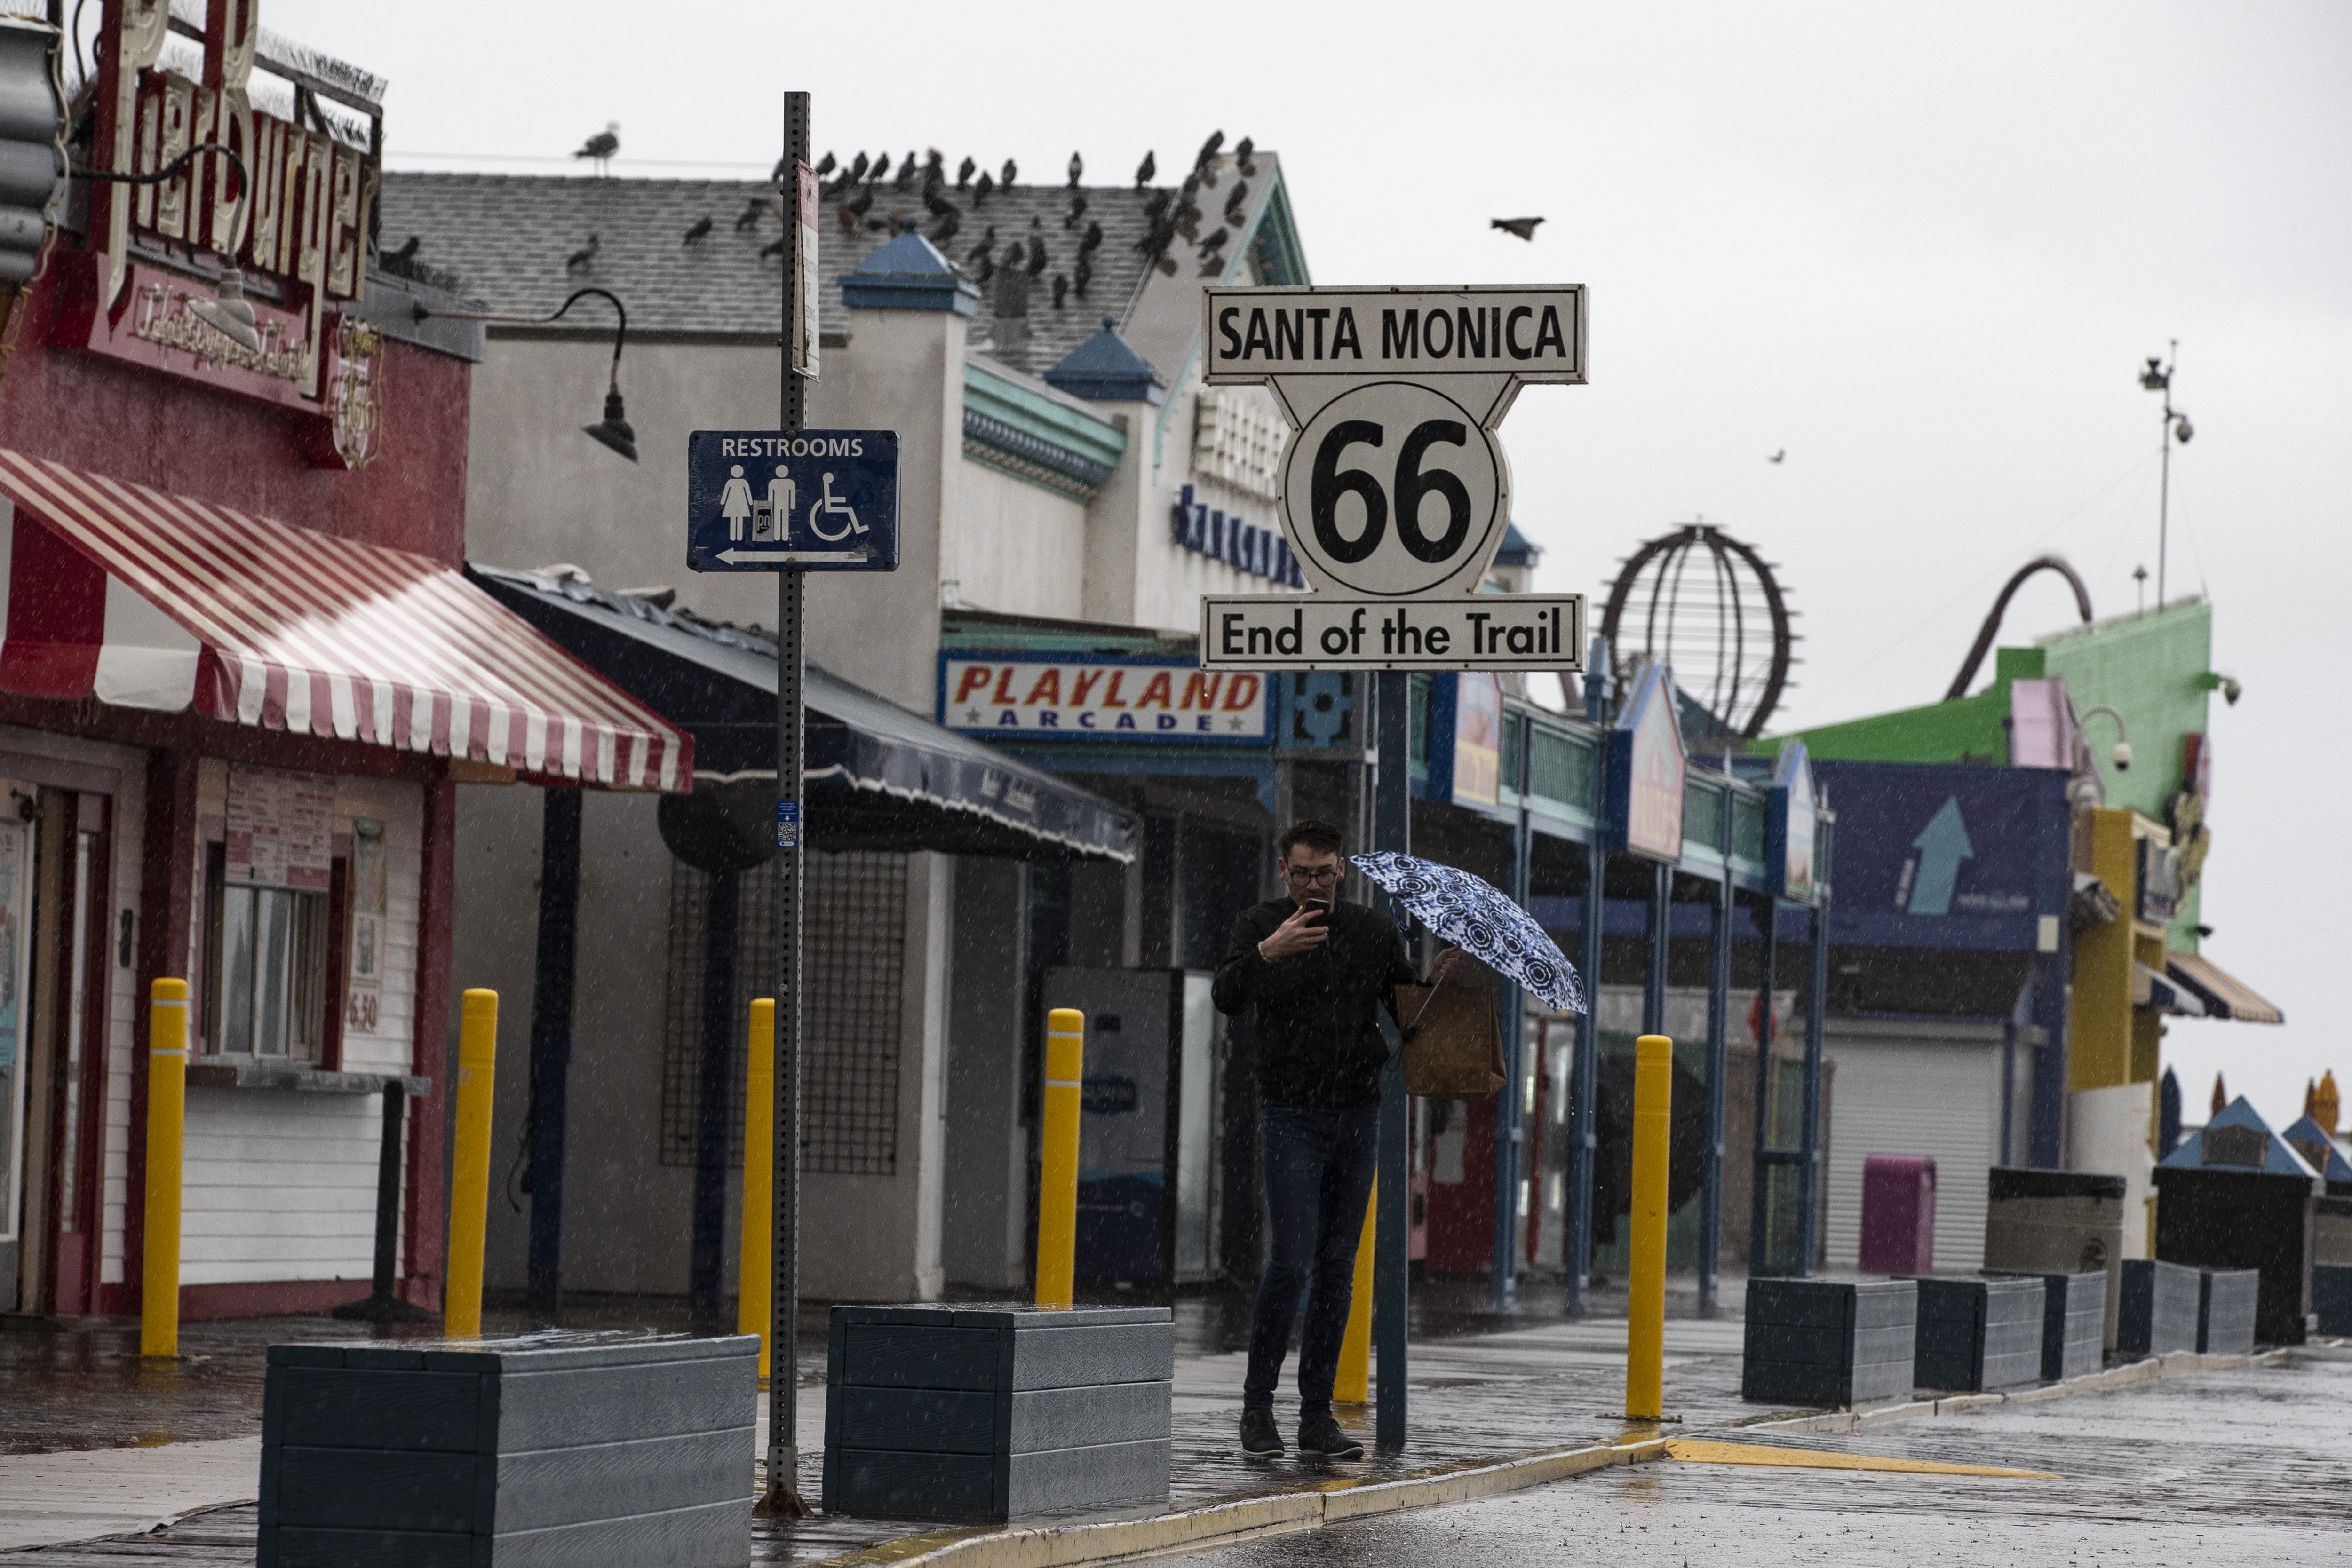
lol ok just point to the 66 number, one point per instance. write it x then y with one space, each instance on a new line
1330 482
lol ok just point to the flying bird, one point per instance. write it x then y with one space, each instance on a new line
1779 455
1523 228
700 231
602 145
1144 170
407 252
582 257
1077 167
749 218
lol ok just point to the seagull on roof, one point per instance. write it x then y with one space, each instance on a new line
602 145
1144 170
1523 228
584 257
700 231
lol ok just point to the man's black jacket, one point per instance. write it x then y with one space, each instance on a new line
1318 1039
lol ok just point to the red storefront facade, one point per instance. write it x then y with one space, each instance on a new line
240 676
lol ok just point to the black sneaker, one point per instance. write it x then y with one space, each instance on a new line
1321 1435
1258 1434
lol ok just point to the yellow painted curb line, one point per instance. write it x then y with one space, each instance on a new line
1705 1453
1224 1523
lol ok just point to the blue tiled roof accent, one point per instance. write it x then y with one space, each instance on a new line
2278 1156
1105 370
1517 549
909 274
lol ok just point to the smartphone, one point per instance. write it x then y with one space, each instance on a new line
1320 913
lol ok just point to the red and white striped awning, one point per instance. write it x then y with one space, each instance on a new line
152 601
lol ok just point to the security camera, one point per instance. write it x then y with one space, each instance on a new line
2122 756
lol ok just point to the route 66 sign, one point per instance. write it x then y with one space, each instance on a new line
1395 491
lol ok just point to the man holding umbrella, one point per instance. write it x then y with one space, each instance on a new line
1314 969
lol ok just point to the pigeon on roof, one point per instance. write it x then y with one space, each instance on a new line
963 172
1061 289
979 191
981 252
856 170
749 218
1242 159
406 253
1237 201
602 145
881 169
906 170
1144 170
1523 228
584 257
1011 171
700 231
1078 209
950 222
1209 152
824 166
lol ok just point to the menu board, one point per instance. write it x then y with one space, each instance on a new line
363 1004
278 828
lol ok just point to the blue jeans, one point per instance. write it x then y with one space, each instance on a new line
1318 1175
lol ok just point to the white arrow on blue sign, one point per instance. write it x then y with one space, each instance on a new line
824 500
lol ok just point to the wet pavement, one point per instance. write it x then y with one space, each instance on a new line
2252 1466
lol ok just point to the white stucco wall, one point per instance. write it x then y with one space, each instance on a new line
1015 547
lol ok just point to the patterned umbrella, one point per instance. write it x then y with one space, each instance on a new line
1477 917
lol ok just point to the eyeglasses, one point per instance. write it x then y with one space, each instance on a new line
1318 875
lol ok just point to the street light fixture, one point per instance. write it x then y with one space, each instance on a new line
2157 378
612 429
231 315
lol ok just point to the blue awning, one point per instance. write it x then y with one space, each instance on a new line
878 777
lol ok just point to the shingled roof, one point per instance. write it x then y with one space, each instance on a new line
506 237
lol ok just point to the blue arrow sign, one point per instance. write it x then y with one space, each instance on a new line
825 500
1942 844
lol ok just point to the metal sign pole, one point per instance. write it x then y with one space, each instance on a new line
783 1498
1393 830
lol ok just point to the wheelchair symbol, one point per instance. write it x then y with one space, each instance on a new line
832 506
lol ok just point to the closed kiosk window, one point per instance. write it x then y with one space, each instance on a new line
265 957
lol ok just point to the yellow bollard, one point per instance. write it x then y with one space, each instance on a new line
1058 1173
469 1177
1354 1384
167 1107
755 1275
1646 1328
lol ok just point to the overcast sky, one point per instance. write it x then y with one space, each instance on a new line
1923 249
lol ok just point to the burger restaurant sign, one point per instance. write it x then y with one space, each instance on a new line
296 225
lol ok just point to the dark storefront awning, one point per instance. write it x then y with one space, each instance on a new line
2223 994
879 776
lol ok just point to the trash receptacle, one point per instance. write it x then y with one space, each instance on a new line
2058 1222
1899 1214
